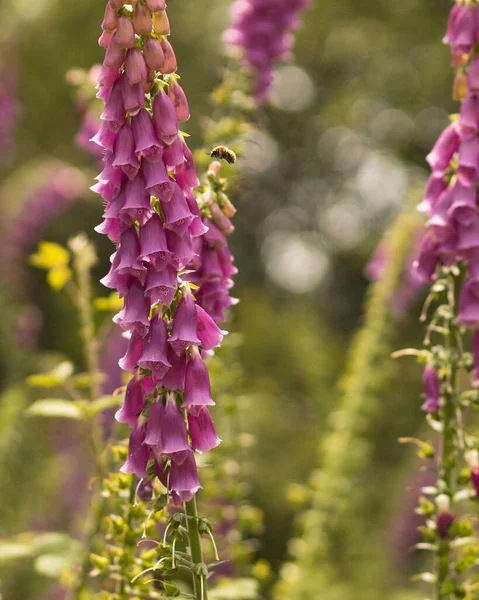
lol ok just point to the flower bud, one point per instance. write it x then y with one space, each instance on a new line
105 39
114 55
141 20
153 53
125 35
178 98
155 5
459 89
164 118
135 66
169 65
110 20
161 24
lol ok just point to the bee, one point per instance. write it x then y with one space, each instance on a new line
223 153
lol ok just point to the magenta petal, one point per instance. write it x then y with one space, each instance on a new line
202 431
153 428
155 349
185 324
138 454
197 383
133 352
133 404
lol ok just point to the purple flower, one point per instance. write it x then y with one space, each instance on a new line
153 217
197 383
133 403
202 431
185 325
164 118
146 142
431 390
184 476
138 454
155 349
262 29
444 149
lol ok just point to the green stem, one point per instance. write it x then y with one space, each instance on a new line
448 417
93 430
199 580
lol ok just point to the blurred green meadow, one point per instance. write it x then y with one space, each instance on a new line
332 164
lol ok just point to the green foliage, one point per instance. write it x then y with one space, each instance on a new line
336 533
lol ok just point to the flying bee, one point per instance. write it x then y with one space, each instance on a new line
223 153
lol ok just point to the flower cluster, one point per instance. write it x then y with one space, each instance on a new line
167 252
263 31
450 199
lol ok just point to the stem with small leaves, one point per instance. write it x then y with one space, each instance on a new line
199 573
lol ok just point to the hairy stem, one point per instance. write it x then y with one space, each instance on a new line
199 579
448 417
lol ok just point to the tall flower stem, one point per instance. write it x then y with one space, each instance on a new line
449 426
84 259
199 579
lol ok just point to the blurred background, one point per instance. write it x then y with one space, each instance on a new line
337 157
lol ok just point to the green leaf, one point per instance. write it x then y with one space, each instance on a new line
52 565
93 408
13 551
53 407
238 589
56 376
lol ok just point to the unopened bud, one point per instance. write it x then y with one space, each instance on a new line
161 23
459 89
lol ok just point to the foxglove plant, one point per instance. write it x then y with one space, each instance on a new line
171 267
448 262
262 30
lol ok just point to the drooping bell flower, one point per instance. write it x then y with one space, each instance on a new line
161 23
135 66
178 98
468 170
124 154
153 53
185 325
154 247
170 64
158 182
431 390
160 285
175 376
132 355
141 19
197 383
174 437
164 118
138 454
202 431
125 34
444 149
134 402
209 334
155 349
137 201
134 314
146 142
184 477
177 214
